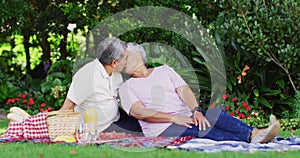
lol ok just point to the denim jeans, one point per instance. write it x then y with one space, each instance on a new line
223 127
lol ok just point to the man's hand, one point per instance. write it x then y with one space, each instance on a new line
200 120
182 120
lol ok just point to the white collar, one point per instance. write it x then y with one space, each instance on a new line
100 67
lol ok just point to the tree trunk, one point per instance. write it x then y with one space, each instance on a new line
26 47
63 45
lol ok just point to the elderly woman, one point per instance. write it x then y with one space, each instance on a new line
165 106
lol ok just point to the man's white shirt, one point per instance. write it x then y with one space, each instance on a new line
92 87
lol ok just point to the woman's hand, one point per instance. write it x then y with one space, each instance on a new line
182 120
200 120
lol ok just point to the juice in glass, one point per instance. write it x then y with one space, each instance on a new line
90 120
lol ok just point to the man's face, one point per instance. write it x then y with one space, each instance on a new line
121 63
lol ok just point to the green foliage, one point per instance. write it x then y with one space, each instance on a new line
9 86
297 105
56 84
262 122
268 30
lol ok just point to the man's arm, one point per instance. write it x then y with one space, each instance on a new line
68 105
188 97
140 112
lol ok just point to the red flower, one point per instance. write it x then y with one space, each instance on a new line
8 101
225 96
233 99
227 107
236 111
31 102
49 108
19 95
231 114
30 95
23 95
240 115
12 100
28 106
24 101
17 99
42 109
248 108
43 105
212 106
249 116
244 104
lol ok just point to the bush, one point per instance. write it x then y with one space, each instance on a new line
264 36
261 122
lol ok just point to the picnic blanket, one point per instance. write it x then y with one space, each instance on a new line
35 133
207 145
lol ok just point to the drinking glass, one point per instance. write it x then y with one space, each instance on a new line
90 118
81 133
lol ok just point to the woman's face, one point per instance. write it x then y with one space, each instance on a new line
134 60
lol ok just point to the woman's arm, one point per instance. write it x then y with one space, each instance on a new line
68 104
140 112
188 97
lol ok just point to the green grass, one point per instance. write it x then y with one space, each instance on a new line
25 150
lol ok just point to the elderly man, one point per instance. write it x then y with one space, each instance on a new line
95 85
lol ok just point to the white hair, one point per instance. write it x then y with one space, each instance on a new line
136 48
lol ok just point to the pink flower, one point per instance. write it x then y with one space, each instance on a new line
236 111
254 113
239 79
42 109
233 99
225 96
246 68
231 114
212 106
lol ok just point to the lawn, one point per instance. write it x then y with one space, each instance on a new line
25 150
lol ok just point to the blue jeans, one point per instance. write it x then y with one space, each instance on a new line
223 127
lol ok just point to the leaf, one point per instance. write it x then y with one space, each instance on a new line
264 102
256 92
46 87
280 84
229 86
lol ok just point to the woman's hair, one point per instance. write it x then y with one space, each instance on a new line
110 49
136 48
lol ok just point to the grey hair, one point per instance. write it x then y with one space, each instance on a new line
136 48
110 49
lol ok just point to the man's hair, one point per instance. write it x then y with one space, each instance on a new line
136 48
110 49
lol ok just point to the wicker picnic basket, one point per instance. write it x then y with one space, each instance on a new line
62 122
